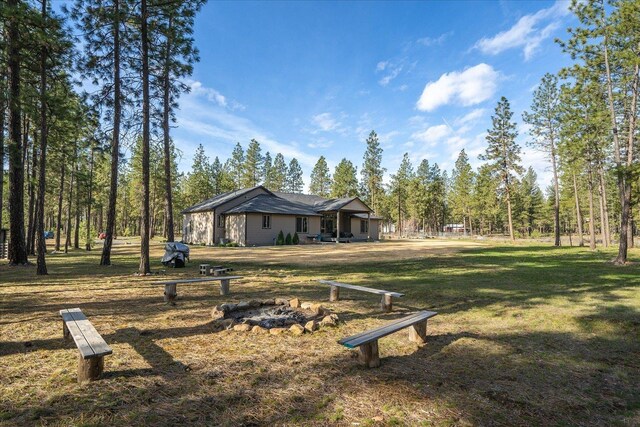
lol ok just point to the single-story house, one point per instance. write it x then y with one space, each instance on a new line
254 217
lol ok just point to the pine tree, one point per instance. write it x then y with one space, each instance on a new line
345 181
279 173
461 194
177 56
607 43
372 171
503 154
267 166
400 184
200 184
544 120
320 178
236 166
17 251
252 169
294 182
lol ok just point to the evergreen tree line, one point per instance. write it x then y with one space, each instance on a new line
65 148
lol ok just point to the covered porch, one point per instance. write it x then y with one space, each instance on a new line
345 221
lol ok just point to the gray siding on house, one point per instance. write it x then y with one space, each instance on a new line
202 228
373 229
258 236
197 228
236 228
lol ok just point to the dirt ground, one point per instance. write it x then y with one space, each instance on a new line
525 335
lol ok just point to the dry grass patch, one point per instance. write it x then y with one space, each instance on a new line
525 335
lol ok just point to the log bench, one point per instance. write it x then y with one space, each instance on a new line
91 345
170 286
368 341
386 302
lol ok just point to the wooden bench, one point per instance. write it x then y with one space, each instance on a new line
91 345
170 286
368 341
386 303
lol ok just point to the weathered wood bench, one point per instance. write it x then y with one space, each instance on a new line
91 345
170 286
368 341
386 302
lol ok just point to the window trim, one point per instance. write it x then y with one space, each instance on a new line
304 224
220 221
364 226
268 217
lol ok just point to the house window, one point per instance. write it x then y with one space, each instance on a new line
364 226
301 225
220 221
266 221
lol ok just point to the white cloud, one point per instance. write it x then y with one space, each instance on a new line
471 117
528 33
196 88
432 41
433 134
325 122
469 87
394 71
382 65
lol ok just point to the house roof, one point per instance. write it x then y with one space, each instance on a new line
319 204
364 216
268 204
220 199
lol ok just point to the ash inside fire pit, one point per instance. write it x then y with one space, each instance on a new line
273 314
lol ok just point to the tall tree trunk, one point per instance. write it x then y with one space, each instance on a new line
511 235
624 186
556 191
630 230
105 259
3 106
603 190
592 229
578 213
603 229
144 232
41 244
166 100
17 250
31 232
60 198
76 236
90 201
67 240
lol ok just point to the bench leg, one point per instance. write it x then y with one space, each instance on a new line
90 369
334 293
65 331
385 304
170 292
418 332
224 287
369 354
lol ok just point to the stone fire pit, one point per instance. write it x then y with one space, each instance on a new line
273 316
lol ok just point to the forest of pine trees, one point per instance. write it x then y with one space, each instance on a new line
63 169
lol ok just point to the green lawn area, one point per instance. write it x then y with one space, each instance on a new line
525 335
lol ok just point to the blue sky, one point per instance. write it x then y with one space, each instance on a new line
314 78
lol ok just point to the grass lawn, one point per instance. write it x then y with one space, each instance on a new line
526 335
